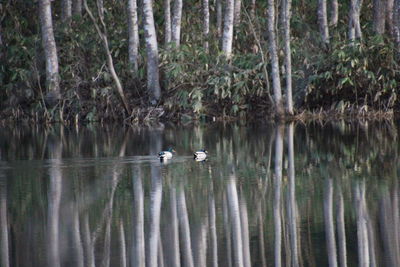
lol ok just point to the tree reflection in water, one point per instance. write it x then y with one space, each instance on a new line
290 195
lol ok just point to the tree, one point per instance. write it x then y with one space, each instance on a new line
276 81
133 32
354 20
237 12
323 21
227 35
50 51
176 22
288 57
379 9
396 23
219 18
206 23
77 7
66 10
167 21
389 16
334 13
153 83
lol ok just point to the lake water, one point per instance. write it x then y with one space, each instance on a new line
289 195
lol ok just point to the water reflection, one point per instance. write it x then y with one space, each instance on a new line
288 195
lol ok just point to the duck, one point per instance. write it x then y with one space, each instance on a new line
200 155
167 154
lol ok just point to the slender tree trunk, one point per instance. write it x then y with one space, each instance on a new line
227 227
288 54
323 21
213 227
334 13
87 242
122 245
167 22
133 33
379 9
357 24
389 16
396 23
4 239
66 10
292 214
276 80
100 8
50 51
153 82
253 9
227 36
234 212
329 223
277 196
76 235
77 7
237 13
201 255
354 20
245 231
103 36
362 233
219 17
206 23
176 22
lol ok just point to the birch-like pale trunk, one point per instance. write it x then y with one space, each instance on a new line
176 22
329 223
219 17
153 79
273 51
185 229
323 21
122 245
167 22
53 208
341 230
292 214
227 228
50 51
206 23
138 248
66 10
133 34
4 239
334 13
379 16
389 16
174 244
362 230
227 35
237 13
213 227
236 227
77 7
277 196
245 231
287 4
354 20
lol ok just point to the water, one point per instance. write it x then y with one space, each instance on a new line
292 195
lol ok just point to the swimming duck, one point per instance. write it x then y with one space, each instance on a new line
200 155
166 154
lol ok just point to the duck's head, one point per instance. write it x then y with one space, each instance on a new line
171 150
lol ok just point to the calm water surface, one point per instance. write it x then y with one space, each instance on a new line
290 195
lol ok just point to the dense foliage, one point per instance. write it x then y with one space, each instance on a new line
195 82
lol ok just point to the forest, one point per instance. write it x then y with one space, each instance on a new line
174 60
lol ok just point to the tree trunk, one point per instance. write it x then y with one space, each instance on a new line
100 8
103 36
138 249
323 21
227 36
341 230
66 10
174 244
396 23
50 51
288 54
213 228
379 9
167 21
133 32
77 7
354 20
4 232
185 230
227 228
122 245
219 18
237 12
206 23
245 231
176 22
276 80
334 13
389 16
153 82
362 230
253 9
